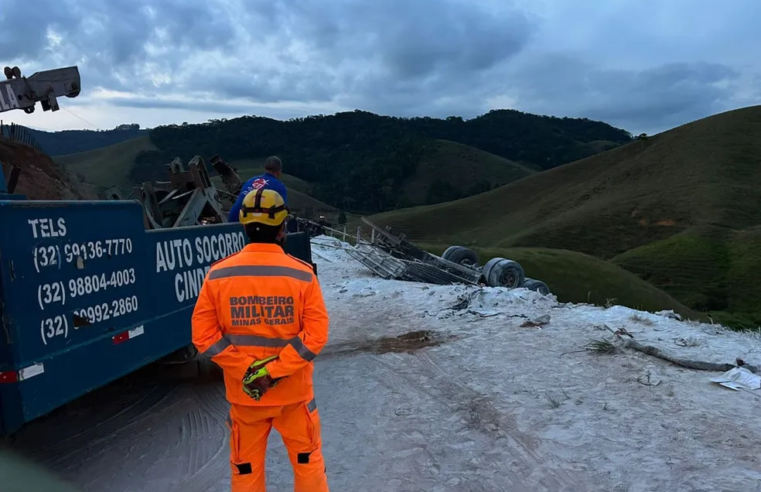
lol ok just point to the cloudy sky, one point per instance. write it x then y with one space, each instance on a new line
643 65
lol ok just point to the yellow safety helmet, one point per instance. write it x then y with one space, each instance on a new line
265 207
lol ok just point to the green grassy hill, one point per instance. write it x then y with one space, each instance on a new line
361 161
712 269
107 166
453 170
299 203
448 171
76 141
579 278
248 168
299 199
679 209
299 191
112 165
364 162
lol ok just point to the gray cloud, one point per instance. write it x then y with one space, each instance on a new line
206 106
157 103
112 40
649 100
626 64
358 51
272 85
665 95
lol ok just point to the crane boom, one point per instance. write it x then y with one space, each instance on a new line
45 87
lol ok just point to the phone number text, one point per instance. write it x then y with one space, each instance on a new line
55 293
108 310
50 255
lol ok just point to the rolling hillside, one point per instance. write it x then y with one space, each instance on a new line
76 141
107 166
453 170
579 278
679 209
112 166
449 171
361 161
299 199
299 191
248 168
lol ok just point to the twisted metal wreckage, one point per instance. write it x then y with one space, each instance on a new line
191 198
392 256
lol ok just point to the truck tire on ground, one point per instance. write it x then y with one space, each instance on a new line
430 274
461 255
448 251
536 286
500 272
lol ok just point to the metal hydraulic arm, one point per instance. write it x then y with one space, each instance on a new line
45 87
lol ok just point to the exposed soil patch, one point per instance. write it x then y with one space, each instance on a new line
41 178
408 342
666 222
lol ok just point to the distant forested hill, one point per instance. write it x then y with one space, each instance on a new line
362 161
74 141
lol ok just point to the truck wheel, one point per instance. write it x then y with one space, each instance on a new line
500 272
461 255
448 251
536 286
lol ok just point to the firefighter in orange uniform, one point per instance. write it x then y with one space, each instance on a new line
261 317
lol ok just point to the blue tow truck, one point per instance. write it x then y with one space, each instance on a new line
93 290
88 295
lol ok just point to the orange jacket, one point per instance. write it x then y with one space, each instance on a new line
255 304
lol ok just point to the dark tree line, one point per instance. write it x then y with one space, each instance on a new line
358 160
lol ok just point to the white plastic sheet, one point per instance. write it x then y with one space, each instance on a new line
739 378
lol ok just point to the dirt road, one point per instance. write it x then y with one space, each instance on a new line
470 401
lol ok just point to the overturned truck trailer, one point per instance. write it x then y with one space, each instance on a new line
392 256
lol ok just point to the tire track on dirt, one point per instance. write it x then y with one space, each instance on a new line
559 480
211 398
127 431
188 435
395 380
483 416
208 467
64 447
209 474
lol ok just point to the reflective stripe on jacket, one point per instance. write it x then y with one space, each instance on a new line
255 304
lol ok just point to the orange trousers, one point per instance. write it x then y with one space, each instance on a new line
298 425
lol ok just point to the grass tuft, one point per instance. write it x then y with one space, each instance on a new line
637 318
602 347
